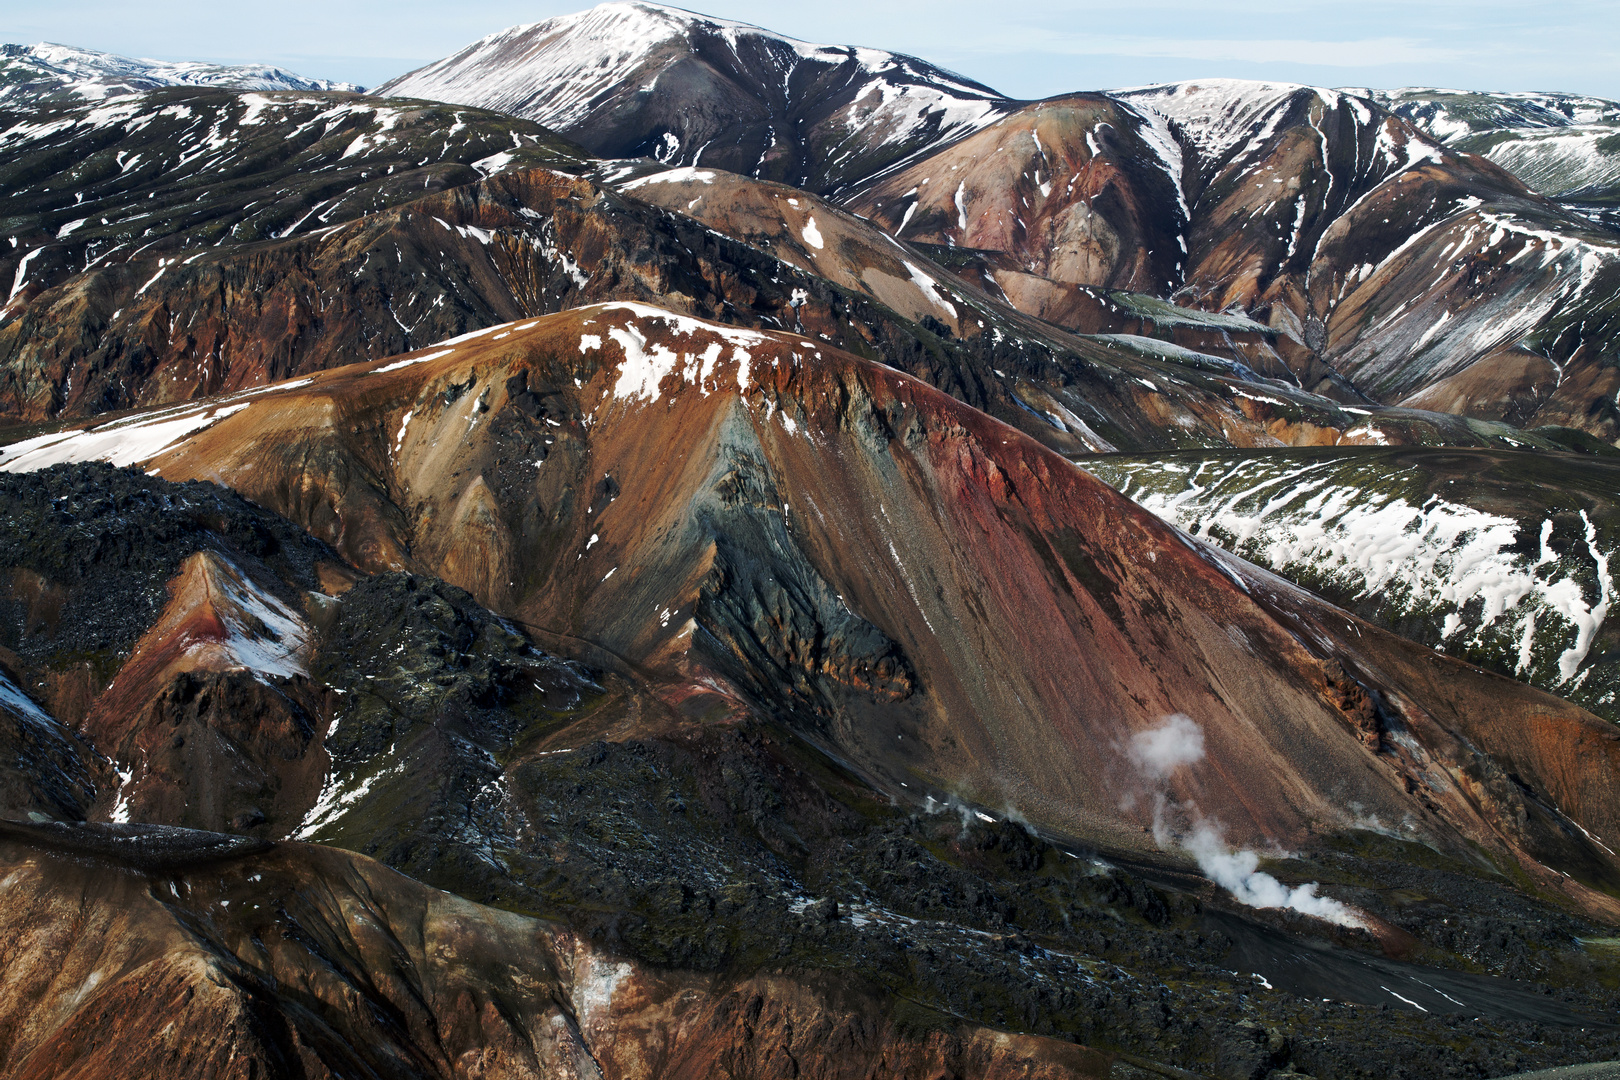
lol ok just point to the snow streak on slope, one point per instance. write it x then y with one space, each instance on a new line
261 634
1226 120
1563 162
132 440
1482 587
119 443
46 72
1215 115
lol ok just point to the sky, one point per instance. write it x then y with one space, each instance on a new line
1028 49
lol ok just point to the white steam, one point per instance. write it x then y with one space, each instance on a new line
1160 751
1179 741
1235 871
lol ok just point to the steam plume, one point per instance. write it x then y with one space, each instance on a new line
1160 751
1177 742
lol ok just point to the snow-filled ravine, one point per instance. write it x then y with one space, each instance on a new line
1512 584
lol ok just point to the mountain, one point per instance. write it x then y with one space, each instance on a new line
762 769
109 204
760 568
1390 268
1322 215
51 74
1136 378
644 80
1564 146
1455 114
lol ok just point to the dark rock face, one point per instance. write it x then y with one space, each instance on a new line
201 959
433 691
219 751
44 771
781 624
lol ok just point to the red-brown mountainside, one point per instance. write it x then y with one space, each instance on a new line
746 518
1421 275
1074 189
155 639
676 806
149 951
212 714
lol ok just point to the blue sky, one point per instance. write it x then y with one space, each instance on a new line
1028 48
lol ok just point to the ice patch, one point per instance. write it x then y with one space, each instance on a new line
646 365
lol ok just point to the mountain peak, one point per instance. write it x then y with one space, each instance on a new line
621 78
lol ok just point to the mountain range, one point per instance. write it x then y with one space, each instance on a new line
650 548
46 73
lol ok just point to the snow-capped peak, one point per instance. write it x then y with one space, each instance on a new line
641 79
555 70
50 72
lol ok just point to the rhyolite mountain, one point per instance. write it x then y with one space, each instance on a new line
683 569
47 73
794 548
628 621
